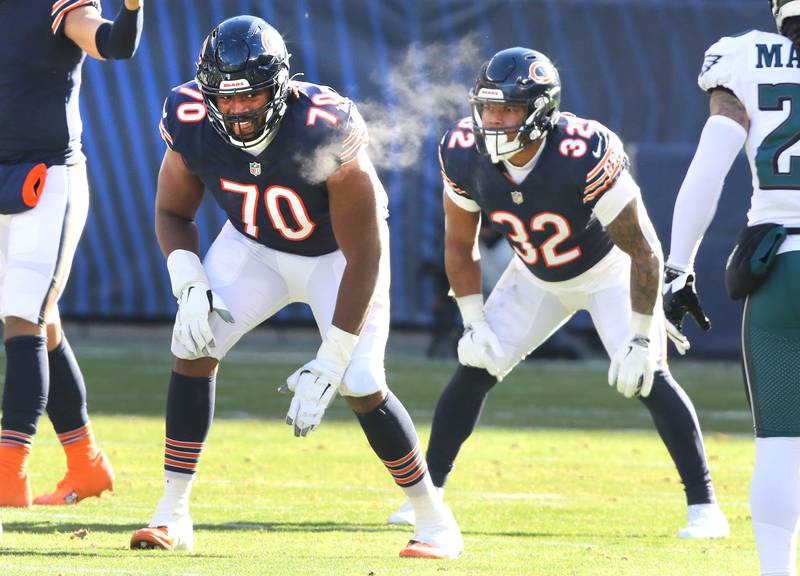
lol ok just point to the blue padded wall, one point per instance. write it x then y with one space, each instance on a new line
631 64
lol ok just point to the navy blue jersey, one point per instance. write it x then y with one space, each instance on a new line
547 218
40 83
279 197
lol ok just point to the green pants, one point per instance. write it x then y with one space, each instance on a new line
771 350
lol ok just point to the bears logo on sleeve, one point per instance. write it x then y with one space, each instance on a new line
357 136
611 164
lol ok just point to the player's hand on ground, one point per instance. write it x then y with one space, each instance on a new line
196 303
314 386
633 368
680 299
480 347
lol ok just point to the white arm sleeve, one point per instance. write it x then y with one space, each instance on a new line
720 142
467 204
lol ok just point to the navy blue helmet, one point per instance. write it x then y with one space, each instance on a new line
515 76
244 55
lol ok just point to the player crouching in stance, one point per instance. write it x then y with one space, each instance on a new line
245 132
559 189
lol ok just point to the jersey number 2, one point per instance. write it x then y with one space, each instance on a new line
771 98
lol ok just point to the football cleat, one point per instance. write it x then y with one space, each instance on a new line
176 535
705 521
15 490
91 478
437 539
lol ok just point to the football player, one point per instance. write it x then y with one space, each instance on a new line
44 198
559 189
287 162
754 86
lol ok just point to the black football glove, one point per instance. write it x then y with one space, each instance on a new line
680 299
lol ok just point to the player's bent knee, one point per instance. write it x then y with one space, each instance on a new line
363 378
199 368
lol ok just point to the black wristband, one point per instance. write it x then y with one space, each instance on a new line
119 39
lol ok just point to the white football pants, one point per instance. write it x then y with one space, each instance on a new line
256 282
524 311
37 246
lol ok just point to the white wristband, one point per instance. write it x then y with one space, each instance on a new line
184 269
471 308
337 348
640 324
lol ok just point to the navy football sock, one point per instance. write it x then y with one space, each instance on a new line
190 409
27 378
676 421
457 413
66 403
391 434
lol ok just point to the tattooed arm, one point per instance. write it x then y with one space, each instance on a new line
627 233
723 102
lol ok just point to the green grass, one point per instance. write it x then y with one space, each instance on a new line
563 477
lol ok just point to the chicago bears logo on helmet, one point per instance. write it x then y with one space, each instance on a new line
542 73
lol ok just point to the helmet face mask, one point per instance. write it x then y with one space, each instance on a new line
244 56
515 77
783 9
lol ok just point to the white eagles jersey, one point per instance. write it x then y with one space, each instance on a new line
763 70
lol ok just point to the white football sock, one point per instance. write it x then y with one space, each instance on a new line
175 500
426 500
775 504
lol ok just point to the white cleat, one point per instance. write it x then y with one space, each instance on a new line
175 535
437 539
705 521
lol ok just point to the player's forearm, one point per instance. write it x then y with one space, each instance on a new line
645 282
176 233
120 38
463 271
355 293
633 233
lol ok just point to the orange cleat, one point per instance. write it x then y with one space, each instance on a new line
83 480
416 549
15 489
177 535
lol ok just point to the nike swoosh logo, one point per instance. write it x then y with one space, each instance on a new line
324 391
596 152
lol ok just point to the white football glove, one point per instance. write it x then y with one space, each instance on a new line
480 347
196 302
192 330
633 368
315 384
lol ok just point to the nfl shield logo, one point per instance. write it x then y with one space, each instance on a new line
516 197
255 168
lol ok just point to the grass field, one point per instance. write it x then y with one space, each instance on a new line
563 477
